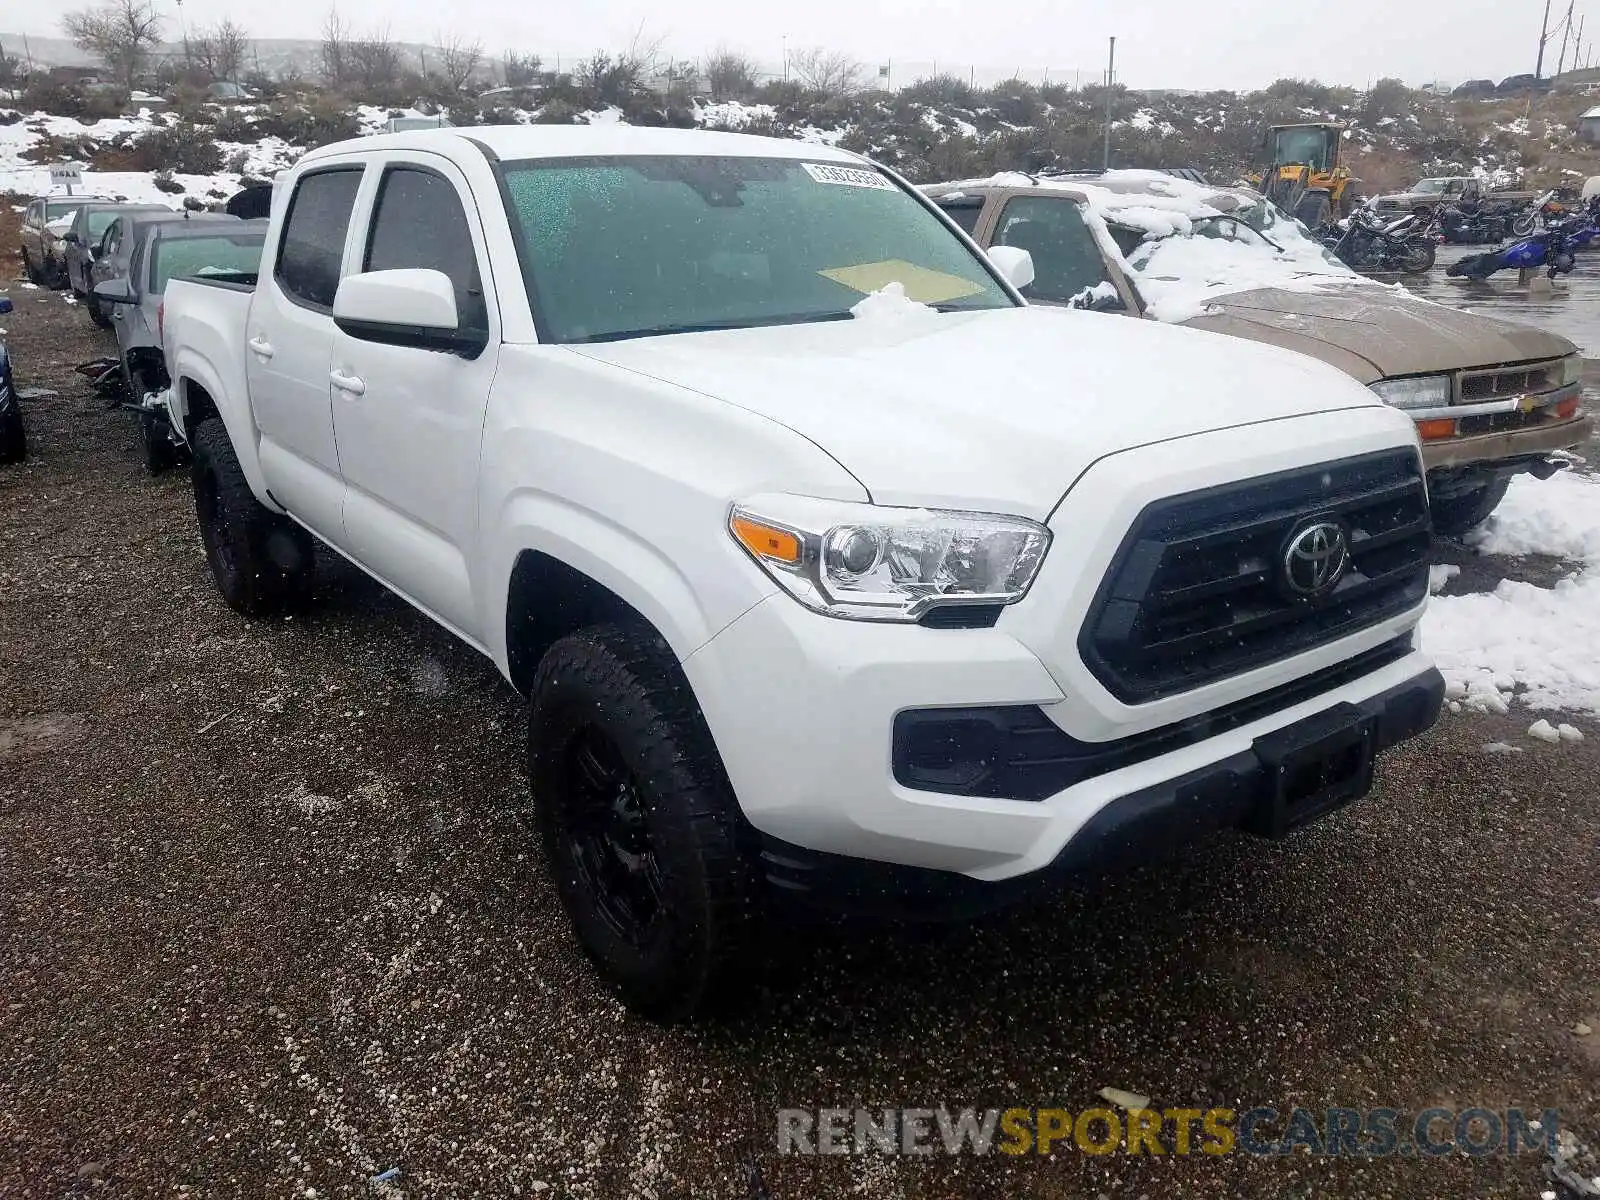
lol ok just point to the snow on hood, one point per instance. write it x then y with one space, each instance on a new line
998 410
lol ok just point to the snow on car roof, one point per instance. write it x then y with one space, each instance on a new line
513 142
1181 275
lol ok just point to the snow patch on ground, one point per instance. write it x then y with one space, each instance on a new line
1541 644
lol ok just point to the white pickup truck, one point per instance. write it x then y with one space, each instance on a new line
832 571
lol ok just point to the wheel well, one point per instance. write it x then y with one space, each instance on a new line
198 405
548 600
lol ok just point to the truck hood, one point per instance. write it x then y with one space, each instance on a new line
999 410
1372 332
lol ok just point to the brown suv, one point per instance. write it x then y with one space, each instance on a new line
1491 398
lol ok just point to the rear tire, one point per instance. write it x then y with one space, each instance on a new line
96 313
640 825
1420 256
1453 516
261 561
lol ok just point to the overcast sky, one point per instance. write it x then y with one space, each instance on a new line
1235 44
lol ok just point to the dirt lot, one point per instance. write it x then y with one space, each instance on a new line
272 922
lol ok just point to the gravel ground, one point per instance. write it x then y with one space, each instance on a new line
272 922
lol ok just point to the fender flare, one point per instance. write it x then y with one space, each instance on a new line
635 571
193 369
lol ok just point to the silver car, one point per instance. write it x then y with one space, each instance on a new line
224 248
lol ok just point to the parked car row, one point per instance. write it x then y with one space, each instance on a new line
117 259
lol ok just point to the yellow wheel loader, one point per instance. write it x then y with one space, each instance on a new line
1302 173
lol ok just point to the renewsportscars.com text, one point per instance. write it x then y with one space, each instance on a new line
1347 1132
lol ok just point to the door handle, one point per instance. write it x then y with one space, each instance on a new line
259 345
353 384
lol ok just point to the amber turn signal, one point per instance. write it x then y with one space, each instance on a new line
766 541
1432 431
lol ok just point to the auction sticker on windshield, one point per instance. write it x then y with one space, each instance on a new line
848 176
922 285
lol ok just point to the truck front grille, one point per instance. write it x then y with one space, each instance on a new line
1516 379
1197 591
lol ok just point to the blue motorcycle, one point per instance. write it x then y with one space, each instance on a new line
1553 248
13 442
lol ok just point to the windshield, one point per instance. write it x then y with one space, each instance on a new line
1214 254
54 210
1303 146
238 254
626 247
1432 185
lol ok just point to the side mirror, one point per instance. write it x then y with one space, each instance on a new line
408 307
1014 263
114 291
71 238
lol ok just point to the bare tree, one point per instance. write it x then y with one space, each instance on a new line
374 60
335 48
120 33
458 60
729 75
220 50
826 71
521 70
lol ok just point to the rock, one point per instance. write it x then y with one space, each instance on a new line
91 1170
1544 731
1582 1030
1570 733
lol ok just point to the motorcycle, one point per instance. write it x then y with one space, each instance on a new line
1465 226
1554 248
1365 243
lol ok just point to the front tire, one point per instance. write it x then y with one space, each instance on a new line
1523 224
96 313
1454 515
31 270
13 438
261 561
640 825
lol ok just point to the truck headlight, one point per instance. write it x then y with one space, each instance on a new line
868 563
1571 369
1419 391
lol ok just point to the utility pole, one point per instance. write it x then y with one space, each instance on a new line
1544 36
1111 74
1577 46
1566 29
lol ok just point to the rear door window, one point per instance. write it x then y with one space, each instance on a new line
419 222
312 249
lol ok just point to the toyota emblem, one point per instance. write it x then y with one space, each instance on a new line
1315 559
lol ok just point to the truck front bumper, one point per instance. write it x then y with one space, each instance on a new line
804 712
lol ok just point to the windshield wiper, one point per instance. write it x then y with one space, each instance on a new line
621 335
